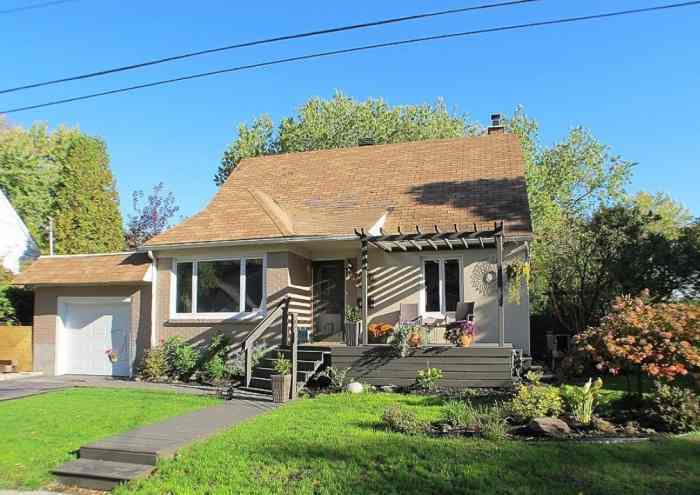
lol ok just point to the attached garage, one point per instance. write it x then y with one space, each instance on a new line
92 336
92 313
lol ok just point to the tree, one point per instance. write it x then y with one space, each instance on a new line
671 217
29 174
62 174
86 205
567 182
150 218
340 123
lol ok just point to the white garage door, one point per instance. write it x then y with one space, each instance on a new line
93 337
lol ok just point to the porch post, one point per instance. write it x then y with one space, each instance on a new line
499 275
365 299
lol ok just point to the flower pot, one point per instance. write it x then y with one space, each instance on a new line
415 340
465 340
353 332
281 387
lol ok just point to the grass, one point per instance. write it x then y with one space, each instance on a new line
334 445
39 433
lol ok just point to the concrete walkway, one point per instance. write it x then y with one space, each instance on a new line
25 387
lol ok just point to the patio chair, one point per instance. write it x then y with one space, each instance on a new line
464 312
408 314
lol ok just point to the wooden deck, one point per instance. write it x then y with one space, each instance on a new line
477 366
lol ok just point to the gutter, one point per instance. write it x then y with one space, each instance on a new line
247 242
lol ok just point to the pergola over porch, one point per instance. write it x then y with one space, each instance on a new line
434 240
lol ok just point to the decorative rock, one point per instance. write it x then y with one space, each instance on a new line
355 388
603 426
549 427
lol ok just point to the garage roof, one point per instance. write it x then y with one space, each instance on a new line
87 269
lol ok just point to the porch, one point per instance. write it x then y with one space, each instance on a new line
318 334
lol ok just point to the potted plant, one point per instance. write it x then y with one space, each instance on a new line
379 333
353 325
415 338
462 334
282 379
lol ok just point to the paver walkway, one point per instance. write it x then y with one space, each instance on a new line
108 462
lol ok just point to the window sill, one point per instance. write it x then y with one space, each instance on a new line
213 320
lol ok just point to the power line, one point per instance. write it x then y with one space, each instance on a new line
358 49
265 41
35 6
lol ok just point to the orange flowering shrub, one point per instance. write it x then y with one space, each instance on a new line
661 340
380 329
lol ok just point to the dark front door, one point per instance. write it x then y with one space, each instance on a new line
328 300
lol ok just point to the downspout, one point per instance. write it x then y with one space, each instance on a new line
154 298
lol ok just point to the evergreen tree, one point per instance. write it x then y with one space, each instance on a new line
86 205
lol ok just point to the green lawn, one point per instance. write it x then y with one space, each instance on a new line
333 444
39 433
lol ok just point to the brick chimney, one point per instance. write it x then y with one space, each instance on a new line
496 126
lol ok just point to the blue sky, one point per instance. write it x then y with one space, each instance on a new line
633 81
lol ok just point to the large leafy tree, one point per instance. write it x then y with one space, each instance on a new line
567 183
670 217
86 202
341 122
62 174
149 217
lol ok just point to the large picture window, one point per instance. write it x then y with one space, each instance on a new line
219 287
443 285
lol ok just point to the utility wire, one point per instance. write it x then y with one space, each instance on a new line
359 49
264 42
34 6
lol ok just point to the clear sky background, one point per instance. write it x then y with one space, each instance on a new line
633 81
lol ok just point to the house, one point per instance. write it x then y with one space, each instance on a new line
419 225
16 243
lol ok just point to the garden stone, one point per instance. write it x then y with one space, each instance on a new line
550 427
603 426
355 388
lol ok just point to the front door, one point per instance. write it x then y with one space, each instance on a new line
328 300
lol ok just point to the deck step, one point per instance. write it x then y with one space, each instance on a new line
301 365
97 454
99 475
260 372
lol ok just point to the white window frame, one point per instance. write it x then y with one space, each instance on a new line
237 315
423 296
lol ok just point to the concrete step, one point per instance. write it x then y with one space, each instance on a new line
97 454
99 475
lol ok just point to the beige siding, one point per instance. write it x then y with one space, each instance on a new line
46 314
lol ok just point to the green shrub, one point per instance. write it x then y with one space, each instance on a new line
399 339
580 402
454 413
338 377
535 401
488 421
402 421
492 423
673 409
155 365
427 379
181 358
282 366
214 369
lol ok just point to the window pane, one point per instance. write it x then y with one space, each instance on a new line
218 286
452 276
183 291
253 284
432 285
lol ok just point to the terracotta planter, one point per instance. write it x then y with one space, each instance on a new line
415 340
281 387
465 341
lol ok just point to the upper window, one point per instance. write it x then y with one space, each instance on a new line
216 287
443 285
